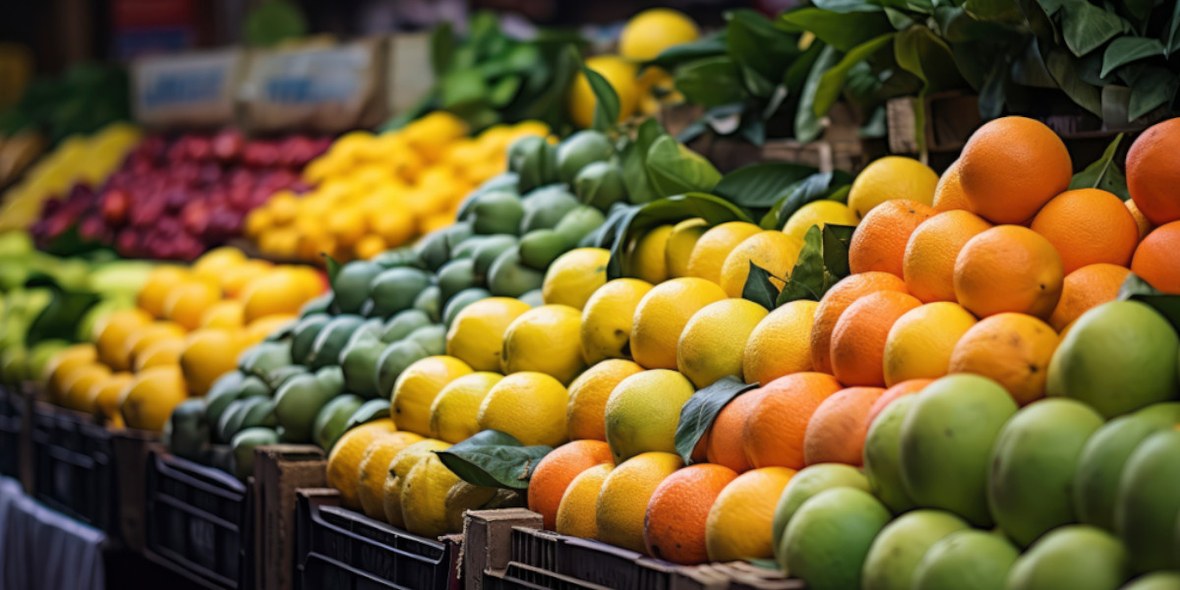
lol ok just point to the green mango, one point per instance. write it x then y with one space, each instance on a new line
461 300
455 276
497 213
509 278
359 364
397 257
434 250
534 298
544 207
276 378
241 413
318 305
539 248
429 301
370 330
243 445
432 339
579 223
403 324
600 185
489 250
580 150
332 420
305 333
467 248
393 361
395 289
264 358
534 161
187 432
332 378
332 339
297 404
351 284
229 388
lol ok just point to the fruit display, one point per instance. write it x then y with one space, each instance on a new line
78 161
372 192
175 198
186 327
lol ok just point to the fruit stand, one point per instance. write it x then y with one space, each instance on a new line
857 294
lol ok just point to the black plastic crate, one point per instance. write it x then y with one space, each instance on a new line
11 424
519 576
339 549
199 522
535 547
72 467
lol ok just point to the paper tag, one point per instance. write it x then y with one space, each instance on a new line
195 89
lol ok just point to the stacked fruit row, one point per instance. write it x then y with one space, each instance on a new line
373 192
186 329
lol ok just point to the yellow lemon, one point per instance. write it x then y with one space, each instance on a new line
681 241
113 332
454 415
576 513
188 301
208 354
643 411
574 276
147 336
157 288
476 335
821 213
545 339
617 71
661 316
149 399
260 329
713 342
920 342
212 265
108 396
652 31
606 319
649 258
62 364
281 291
81 382
164 352
418 385
345 458
772 250
223 314
589 393
710 251
374 468
529 406
739 524
780 344
399 468
434 499
622 502
892 177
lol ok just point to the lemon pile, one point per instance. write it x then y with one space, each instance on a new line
185 330
377 191
89 160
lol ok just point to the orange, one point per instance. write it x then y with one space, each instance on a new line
896 392
1084 288
836 432
1011 348
835 301
1155 258
674 525
1145 225
1153 172
556 470
1088 226
948 195
774 432
586 412
724 445
739 523
1011 167
709 254
880 240
575 513
622 503
929 263
858 341
1008 268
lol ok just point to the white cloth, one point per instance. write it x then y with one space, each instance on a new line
41 549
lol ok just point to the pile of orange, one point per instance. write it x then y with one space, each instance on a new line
187 329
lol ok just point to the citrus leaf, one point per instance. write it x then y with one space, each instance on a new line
832 81
807 278
840 30
1137 289
493 459
606 100
1174 30
699 412
712 209
676 55
837 239
1153 86
333 267
808 126
818 186
674 169
755 43
761 185
758 287
1086 27
1125 50
1104 173
710 82
634 158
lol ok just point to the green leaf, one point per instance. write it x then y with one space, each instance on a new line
1153 86
714 210
699 412
1104 173
493 459
1086 26
1063 68
821 264
844 31
807 124
755 43
710 82
461 87
505 90
442 48
673 57
994 10
1137 289
1174 30
759 186
1125 50
674 169
837 239
606 100
634 157
60 317
846 6
759 288
832 81
332 266
821 185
